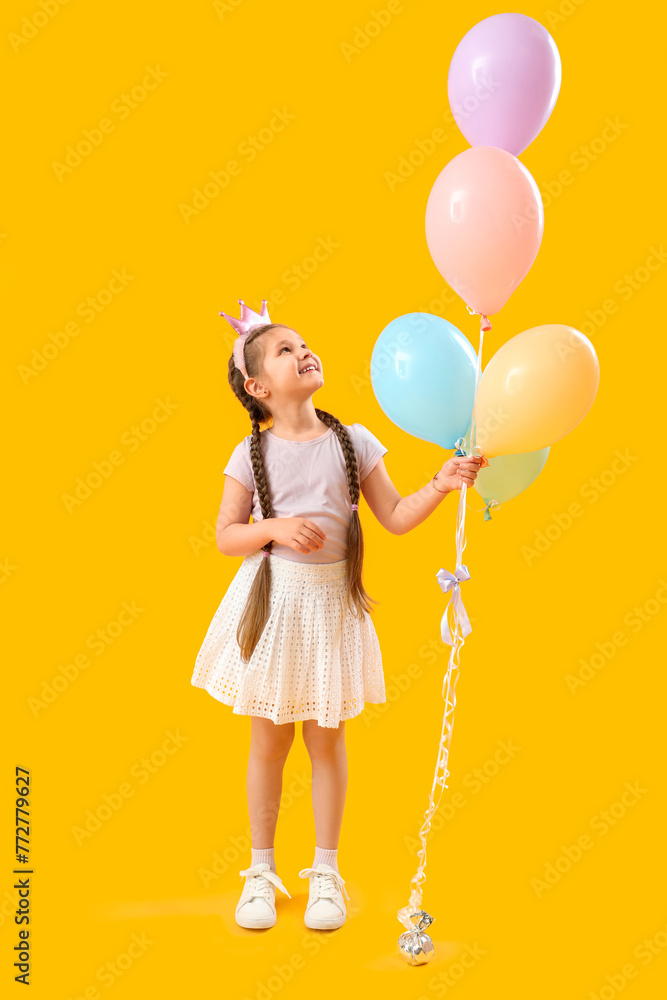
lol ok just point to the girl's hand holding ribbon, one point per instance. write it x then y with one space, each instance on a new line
460 470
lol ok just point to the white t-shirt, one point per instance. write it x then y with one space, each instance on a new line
308 479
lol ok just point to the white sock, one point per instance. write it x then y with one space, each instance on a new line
323 856
265 854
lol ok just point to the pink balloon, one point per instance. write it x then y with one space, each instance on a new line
503 81
484 224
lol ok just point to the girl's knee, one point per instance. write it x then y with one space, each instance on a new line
269 741
323 741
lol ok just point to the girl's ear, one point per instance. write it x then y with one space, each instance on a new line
255 388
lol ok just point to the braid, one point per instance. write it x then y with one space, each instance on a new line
356 591
258 470
258 414
348 452
256 611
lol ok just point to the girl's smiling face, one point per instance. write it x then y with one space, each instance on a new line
289 367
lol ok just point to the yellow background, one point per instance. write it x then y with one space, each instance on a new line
144 535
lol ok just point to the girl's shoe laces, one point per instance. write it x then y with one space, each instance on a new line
325 882
258 882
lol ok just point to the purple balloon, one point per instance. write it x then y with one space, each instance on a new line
503 81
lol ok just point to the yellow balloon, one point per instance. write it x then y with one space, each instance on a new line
535 389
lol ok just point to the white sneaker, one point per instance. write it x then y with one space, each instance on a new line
326 907
257 905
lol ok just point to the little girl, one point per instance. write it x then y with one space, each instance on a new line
292 639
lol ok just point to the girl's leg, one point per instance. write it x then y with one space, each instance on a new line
269 746
328 756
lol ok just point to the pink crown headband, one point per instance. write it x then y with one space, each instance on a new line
248 321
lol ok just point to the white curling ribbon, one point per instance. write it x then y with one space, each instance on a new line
448 581
452 581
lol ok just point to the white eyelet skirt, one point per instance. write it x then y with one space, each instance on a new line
314 660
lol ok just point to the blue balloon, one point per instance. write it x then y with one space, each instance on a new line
423 377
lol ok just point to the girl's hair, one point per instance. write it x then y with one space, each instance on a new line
256 611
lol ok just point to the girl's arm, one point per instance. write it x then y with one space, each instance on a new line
400 514
233 533
236 537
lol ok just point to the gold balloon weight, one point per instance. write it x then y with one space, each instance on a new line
414 945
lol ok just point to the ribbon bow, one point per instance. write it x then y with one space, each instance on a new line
452 581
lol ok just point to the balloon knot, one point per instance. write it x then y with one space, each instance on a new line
491 505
